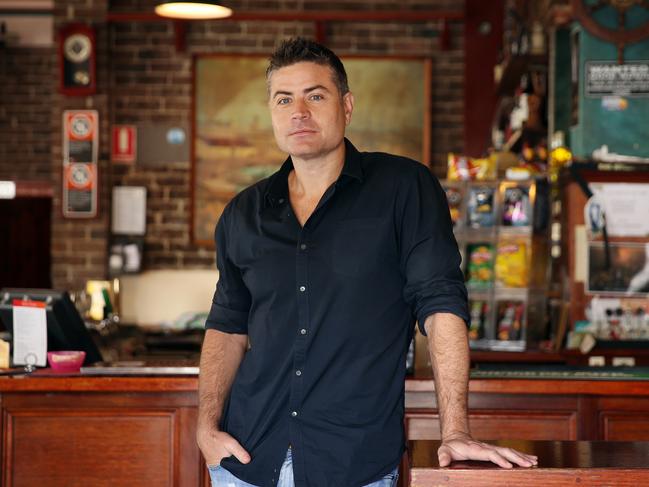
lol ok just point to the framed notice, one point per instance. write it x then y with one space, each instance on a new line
80 148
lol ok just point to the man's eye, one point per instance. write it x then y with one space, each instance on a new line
316 97
283 101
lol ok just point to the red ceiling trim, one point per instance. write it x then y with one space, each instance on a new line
312 16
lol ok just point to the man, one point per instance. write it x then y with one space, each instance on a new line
324 268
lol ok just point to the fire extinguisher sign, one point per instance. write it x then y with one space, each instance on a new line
80 149
124 144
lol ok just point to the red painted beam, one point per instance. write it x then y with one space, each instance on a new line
312 16
445 37
480 55
180 36
321 32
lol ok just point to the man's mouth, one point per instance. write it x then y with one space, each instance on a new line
303 132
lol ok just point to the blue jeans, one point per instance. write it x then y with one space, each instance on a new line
222 478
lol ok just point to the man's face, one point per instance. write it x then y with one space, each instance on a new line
308 113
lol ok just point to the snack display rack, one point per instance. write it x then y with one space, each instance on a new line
494 224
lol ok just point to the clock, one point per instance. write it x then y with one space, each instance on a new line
77 60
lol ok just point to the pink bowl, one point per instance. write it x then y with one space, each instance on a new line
66 361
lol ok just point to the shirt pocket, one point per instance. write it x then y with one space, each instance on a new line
359 246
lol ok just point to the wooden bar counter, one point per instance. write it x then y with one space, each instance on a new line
561 463
100 431
140 430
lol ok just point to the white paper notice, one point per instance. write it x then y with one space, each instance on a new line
29 333
129 210
581 254
626 206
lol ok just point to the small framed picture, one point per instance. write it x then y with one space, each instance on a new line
480 265
510 320
455 198
516 206
512 267
479 311
481 206
624 271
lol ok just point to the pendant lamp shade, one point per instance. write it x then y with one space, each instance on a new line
193 10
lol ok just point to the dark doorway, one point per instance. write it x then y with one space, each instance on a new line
25 231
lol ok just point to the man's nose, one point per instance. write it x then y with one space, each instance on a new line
300 110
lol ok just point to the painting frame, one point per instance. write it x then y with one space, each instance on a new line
206 203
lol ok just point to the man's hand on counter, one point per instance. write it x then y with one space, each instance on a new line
463 447
217 445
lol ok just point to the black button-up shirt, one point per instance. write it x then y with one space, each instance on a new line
329 309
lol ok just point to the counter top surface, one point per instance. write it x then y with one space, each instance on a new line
548 380
560 463
183 379
42 381
551 454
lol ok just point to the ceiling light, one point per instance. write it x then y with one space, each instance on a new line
193 10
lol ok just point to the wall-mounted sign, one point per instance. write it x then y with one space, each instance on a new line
124 146
160 144
80 146
609 78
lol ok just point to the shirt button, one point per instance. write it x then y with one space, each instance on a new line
298 373
302 289
303 331
303 246
281 200
294 413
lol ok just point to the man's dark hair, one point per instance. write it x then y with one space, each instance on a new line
298 49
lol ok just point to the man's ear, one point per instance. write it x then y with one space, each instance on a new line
348 104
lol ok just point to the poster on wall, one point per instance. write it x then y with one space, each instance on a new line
80 149
625 206
607 78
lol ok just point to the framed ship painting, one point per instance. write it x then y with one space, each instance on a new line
233 143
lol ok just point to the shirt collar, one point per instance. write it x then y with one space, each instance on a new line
277 189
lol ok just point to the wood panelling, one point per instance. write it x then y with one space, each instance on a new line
623 418
624 426
139 436
99 448
491 425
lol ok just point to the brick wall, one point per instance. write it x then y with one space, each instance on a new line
142 78
26 85
79 246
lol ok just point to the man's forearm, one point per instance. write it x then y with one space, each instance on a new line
221 356
449 355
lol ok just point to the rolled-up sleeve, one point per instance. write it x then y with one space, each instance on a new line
430 259
231 302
